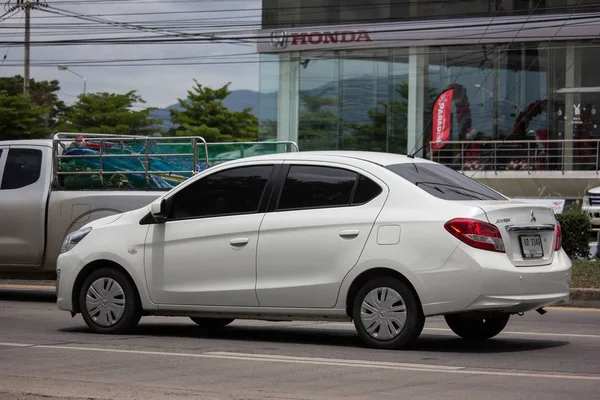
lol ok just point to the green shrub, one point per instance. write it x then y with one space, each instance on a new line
576 227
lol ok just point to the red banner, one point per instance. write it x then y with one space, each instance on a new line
442 110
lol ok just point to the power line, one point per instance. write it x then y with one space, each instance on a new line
9 47
173 39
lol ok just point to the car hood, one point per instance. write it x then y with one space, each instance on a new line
104 221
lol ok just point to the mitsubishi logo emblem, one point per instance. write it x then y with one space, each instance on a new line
532 219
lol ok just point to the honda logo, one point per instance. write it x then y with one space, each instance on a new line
279 40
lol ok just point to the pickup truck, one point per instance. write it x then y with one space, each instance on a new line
50 188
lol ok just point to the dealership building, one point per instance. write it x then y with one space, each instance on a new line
503 90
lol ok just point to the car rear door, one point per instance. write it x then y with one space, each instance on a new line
314 233
24 189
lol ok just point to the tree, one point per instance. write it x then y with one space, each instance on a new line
109 113
318 126
374 135
203 114
20 117
44 94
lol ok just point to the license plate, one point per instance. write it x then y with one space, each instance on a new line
531 246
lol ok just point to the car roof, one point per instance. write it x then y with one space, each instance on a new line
378 158
27 142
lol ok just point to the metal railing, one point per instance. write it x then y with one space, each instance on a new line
96 147
519 155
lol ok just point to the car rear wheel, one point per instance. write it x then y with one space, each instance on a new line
212 323
109 303
476 328
387 314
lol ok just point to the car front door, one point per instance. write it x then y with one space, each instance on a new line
24 190
205 253
319 227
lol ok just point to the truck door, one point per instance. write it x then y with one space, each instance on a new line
24 188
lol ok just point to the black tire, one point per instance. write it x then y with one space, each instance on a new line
132 310
413 325
476 328
212 323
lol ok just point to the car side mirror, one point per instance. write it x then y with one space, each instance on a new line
158 209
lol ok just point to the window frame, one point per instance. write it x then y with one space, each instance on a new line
5 153
284 171
262 205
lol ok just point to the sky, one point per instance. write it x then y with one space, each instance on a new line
159 86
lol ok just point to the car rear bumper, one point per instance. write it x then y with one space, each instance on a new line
477 280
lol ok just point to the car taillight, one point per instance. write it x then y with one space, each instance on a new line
475 233
558 239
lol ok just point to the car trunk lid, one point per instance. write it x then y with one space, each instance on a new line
528 230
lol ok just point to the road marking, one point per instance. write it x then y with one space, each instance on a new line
337 360
318 361
15 344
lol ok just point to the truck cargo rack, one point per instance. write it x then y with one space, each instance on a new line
92 161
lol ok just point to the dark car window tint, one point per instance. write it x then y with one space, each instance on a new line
315 187
23 168
366 190
233 191
443 182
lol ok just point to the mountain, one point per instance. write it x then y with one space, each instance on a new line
359 95
236 101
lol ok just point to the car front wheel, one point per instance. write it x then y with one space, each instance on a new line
109 303
387 315
476 328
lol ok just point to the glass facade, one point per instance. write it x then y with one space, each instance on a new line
298 13
361 99
511 100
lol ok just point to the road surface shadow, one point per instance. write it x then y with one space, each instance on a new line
336 337
28 295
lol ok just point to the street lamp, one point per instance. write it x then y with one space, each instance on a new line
66 68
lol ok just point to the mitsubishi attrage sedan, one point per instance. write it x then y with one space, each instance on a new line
379 239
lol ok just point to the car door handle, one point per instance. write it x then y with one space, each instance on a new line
238 242
349 233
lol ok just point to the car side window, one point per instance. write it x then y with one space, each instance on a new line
308 186
232 191
366 190
23 168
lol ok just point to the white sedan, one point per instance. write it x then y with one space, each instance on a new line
380 239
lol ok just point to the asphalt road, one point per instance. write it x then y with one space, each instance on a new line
46 354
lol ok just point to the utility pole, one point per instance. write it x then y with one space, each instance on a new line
27 6
27 47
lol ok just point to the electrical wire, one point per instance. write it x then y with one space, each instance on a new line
9 47
128 25
260 37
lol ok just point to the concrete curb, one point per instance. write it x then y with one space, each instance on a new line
584 298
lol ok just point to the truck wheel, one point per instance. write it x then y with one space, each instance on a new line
109 303
387 314
212 323
475 328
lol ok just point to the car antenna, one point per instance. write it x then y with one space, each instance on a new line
412 155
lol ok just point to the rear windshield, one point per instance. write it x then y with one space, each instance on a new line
443 182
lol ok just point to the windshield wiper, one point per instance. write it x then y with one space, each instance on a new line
456 187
